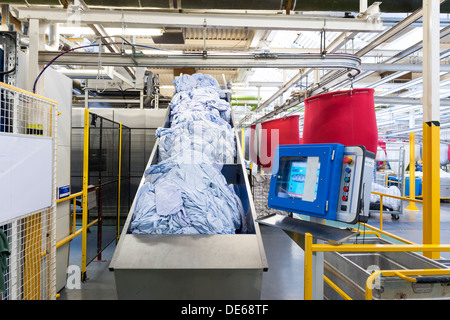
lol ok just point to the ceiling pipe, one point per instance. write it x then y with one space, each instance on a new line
375 43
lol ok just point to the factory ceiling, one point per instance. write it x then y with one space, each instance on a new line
249 27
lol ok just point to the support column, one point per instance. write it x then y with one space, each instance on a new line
431 126
33 53
318 265
84 219
36 33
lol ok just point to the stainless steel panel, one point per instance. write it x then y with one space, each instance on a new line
155 118
320 231
349 271
196 252
107 113
132 118
77 117
188 284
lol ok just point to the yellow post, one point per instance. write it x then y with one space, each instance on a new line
308 290
74 215
120 175
84 219
381 212
412 171
431 126
431 186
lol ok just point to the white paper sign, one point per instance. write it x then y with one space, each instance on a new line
25 174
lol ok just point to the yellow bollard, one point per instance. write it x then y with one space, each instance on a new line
412 172
308 276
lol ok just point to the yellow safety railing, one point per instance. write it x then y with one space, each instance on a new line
74 207
395 197
310 248
75 232
84 195
402 274
336 288
377 232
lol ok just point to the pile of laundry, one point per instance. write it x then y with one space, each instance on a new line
186 193
391 203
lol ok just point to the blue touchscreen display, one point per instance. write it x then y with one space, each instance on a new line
297 179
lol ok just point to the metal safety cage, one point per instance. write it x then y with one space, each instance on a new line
28 255
108 180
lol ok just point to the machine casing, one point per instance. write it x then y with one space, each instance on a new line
329 181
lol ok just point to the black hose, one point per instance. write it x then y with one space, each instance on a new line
437 279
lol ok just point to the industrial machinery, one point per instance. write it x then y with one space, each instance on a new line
8 57
193 266
329 181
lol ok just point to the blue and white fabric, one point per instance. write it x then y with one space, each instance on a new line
186 193
179 198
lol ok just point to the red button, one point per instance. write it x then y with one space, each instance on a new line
345 188
344 198
347 160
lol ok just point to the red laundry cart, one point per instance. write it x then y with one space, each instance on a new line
265 137
346 117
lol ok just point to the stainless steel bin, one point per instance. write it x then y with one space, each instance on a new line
193 266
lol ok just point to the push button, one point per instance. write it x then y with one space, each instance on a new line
344 198
345 189
347 179
348 170
348 160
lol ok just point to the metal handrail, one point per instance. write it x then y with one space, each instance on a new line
402 274
395 197
310 248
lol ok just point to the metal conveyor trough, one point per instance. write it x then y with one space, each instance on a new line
350 270
193 266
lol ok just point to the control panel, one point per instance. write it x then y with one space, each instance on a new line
329 181
355 186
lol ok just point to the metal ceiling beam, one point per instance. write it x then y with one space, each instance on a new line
375 43
332 47
405 101
172 19
329 61
403 54
408 67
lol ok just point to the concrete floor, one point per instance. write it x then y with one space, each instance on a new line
283 281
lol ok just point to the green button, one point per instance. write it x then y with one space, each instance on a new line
347 179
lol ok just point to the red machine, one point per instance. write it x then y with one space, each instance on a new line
265 137
346 117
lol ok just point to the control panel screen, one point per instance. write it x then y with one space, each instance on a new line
298 177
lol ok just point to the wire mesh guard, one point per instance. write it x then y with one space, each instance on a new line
28 240
105 137
260 190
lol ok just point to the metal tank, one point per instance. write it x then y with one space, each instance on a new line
350 270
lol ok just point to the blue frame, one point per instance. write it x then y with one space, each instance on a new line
328 183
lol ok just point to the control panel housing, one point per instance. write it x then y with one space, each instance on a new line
329 181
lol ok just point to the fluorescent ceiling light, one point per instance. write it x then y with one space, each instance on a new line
111 31
150 51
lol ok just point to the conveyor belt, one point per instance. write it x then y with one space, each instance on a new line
213 266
